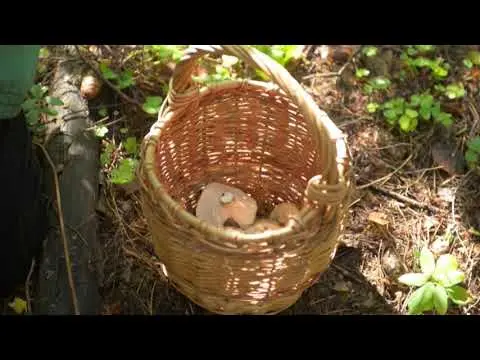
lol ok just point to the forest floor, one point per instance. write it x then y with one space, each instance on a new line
410 192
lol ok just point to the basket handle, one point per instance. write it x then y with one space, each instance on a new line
324 188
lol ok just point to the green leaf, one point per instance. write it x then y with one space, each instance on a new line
390 114
103 112
440 299
474 144
125 80
372 107
106 155
54 101
474 57
426 101
411 51
425 112
454 91
130 145
405 123
471 158
380 82
411 113
458 295
29 104
425 48
422 62
445 118
413 279
468 63
49 111
415 100
427 261
421 300
152 104
18 305
445 264
436 110
168 52
32 116
439 71
107 72
362 72
367 89
125 172
454 278
37 91
370 51
100 131
124 130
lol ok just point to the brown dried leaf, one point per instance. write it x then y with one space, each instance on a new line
378 218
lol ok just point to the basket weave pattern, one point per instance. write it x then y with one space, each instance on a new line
258 137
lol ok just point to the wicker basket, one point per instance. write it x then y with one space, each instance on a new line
271 141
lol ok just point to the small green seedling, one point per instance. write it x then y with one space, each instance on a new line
360 73
370 51
38 103
124 172
152 104
472 155
406 115
122 80
166 53
455 91
436 284
474 57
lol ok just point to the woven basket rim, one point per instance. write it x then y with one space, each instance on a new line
156 187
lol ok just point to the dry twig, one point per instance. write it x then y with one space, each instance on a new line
62 229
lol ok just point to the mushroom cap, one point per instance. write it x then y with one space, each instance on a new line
262 225
219 202
283 212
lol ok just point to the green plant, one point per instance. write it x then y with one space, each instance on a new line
123 170
406 115
376 84
152 104
454 91
166 53
221 74
283 54
369 51
122 80
38 103
437 283
472 155
360 73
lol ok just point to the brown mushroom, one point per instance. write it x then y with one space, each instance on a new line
219 203
90 87
283 212
262 225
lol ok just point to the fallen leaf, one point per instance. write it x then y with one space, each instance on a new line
430 222
341 286
378 218
18 305
446 194
440 246
445 155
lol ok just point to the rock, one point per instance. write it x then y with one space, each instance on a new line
391 264
446 194
440 246
445 155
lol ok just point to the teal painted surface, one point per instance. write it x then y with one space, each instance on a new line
17 74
